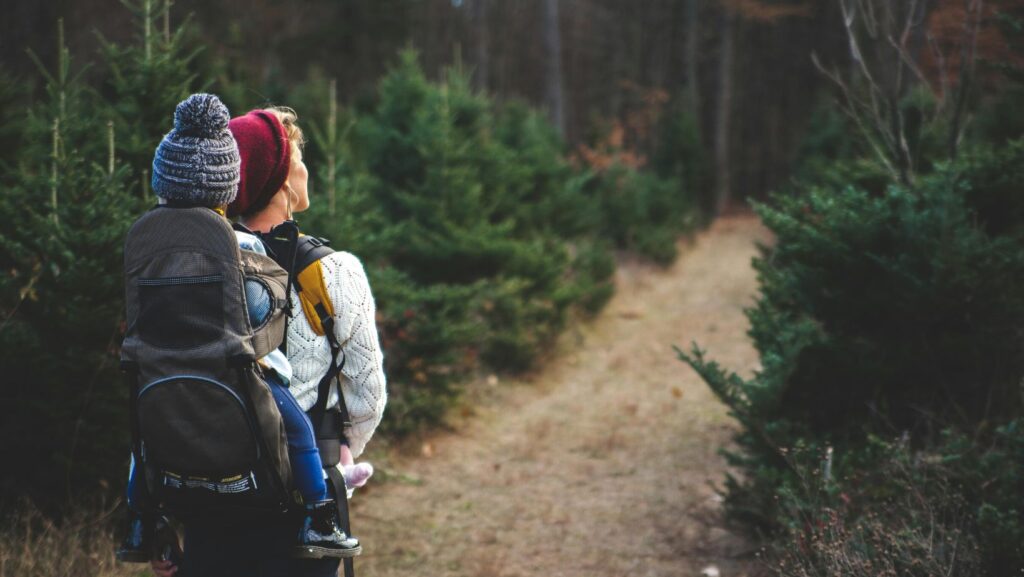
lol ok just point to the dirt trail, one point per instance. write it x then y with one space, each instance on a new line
600 465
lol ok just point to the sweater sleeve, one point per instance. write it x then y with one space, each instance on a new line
355 327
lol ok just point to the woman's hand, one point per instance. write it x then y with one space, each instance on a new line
164 568
346 456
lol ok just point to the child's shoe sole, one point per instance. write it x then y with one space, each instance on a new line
314 552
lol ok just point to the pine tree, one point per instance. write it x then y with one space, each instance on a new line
62 289
468 223
145 81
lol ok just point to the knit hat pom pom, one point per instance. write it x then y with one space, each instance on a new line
201 115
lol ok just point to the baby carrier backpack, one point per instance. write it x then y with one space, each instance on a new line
205 428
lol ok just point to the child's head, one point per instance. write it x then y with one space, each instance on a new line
197 162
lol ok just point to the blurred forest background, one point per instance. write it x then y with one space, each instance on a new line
489 160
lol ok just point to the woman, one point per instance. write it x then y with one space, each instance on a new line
273 186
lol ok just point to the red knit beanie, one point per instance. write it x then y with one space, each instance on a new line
266 156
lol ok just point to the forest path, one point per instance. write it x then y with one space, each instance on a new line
601 463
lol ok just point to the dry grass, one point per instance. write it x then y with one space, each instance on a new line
884 546
80 545
923 529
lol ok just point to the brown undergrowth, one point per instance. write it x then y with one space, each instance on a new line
80 545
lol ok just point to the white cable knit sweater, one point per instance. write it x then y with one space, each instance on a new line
354 324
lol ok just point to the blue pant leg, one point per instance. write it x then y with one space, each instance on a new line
307 468
135 484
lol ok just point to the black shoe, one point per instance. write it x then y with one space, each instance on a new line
135 547
320 535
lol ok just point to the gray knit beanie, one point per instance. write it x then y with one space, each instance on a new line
197 161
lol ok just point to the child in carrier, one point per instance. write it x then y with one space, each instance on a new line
197 164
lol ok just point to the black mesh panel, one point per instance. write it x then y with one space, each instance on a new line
181 312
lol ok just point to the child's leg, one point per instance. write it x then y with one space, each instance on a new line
319 535
134 485
307 469
136 546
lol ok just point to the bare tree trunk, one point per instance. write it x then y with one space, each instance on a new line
968 54
692 46
332 146
660 20
147 27
723 193
167 21
553 96
482 45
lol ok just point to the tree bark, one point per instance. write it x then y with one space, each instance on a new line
553 97
483 40
723 182
692 47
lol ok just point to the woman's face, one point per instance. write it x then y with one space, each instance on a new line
298 180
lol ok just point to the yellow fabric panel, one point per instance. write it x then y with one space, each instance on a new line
314 292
